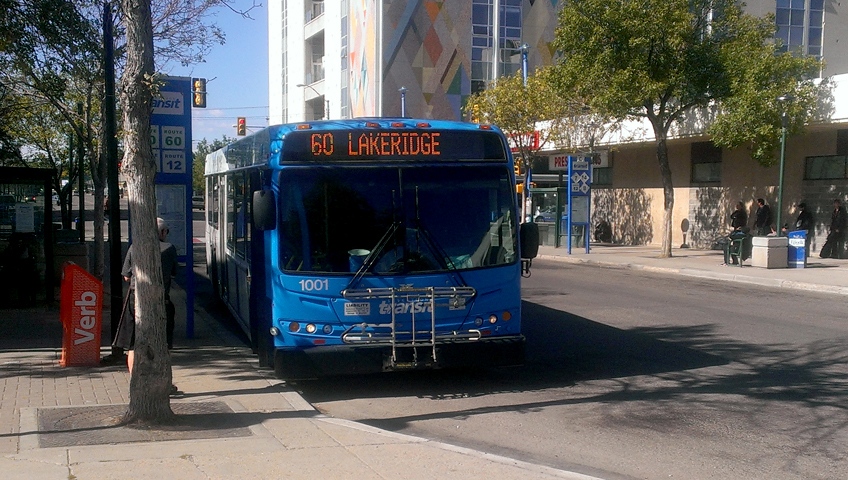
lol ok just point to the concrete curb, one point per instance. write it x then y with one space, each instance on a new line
700 273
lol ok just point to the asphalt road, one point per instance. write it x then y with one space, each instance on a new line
639 375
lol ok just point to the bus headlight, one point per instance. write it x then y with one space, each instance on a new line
294 327
328 329
310 328
478 321
493 318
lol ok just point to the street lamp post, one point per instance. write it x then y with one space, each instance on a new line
527 203
784 121
402 91
326 102
524 49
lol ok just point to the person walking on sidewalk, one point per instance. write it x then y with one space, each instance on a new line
125 337
835 244
762 222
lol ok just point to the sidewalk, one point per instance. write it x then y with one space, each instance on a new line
824 275
235 421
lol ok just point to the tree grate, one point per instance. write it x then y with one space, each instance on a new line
100 425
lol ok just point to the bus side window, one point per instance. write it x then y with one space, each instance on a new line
241 230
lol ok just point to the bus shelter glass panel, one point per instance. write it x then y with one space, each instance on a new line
23 262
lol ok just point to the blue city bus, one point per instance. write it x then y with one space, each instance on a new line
367 245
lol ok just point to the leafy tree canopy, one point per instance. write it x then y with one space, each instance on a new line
659 59
519 109
198 166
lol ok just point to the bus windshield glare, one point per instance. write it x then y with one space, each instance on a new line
409 219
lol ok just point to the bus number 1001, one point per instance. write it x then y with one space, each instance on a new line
311 285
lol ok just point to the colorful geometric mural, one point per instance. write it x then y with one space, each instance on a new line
363 57
426 48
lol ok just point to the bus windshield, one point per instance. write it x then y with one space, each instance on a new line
408 219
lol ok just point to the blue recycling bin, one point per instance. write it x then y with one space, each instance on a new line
797 248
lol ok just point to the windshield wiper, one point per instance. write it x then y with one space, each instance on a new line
373 255
445 262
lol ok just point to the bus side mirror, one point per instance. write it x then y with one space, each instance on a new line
264 210
529 237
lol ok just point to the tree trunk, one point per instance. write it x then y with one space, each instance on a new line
657 121
668 198
151 379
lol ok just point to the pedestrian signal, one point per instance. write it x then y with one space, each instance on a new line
198 92
241 126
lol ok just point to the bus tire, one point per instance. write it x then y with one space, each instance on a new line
265 348
212 272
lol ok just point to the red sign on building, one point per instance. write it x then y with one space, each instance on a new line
81 311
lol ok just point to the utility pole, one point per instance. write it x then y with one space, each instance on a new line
111 159
81 167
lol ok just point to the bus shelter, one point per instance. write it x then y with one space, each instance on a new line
550 212
26 236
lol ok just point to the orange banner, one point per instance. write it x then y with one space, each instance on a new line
81 311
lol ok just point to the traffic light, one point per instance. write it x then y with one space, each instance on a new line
241 126
198 92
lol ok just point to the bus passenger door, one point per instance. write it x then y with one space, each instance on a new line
238 248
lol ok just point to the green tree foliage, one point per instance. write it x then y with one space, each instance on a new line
10 145
750 115
660 59
198 166
521 110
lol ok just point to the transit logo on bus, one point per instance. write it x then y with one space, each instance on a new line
380 144
406 307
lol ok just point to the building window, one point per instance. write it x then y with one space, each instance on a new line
706 163
510 37
482 41
481 44
800 26
601 176
828 167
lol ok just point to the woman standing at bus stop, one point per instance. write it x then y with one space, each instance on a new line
125 337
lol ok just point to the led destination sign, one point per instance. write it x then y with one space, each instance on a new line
403 145
381 144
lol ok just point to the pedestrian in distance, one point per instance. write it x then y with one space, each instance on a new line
807 222
735 247
834 246
762 221
739 217
125 337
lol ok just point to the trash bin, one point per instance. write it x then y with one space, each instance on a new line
797 252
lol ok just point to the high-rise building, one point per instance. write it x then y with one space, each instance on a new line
350 58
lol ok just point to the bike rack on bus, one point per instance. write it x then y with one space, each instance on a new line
415 338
